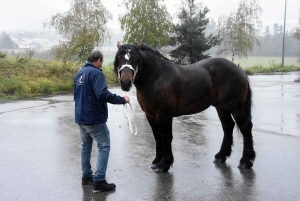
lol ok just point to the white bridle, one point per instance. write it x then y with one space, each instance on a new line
131 68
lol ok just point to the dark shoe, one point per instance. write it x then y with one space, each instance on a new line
87 180
103 186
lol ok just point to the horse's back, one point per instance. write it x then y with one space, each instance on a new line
229 81
220 66
222 79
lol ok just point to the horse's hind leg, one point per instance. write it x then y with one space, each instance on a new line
158 140
245 125
227 125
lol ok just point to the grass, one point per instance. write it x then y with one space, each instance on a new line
265 61
27 77
33 77
271 69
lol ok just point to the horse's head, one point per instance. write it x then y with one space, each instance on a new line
126 64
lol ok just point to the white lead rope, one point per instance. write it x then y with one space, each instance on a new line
128 113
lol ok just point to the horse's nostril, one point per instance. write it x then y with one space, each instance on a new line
125 82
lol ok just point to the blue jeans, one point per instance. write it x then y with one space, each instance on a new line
99 133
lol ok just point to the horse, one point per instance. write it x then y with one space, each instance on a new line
165 90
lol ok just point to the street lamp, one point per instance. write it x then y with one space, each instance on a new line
284 34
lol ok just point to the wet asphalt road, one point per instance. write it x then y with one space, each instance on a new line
40 146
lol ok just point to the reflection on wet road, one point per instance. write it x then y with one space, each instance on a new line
40 146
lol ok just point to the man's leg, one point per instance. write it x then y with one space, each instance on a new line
102 138
86 149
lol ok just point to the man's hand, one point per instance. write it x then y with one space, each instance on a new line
127 99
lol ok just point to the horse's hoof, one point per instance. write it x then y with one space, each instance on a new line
161 169
219 160
153 166
245 165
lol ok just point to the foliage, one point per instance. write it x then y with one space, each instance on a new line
83 27
6 42
271 45
2 55
25 57
190 40
238 30
36 77
295 33
148 21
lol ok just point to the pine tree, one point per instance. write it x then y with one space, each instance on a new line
6 42
190 40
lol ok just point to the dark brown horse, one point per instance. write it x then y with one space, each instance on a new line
166 90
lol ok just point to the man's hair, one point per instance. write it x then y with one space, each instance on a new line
94 56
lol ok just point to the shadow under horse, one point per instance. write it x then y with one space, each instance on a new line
166 90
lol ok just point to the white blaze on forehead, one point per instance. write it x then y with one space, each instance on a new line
127 56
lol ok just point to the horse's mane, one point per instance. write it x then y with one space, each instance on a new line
134 47
134 50
154 51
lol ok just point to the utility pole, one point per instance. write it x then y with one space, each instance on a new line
284 35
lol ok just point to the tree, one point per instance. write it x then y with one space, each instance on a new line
295 33
83 27
6 42
238 31
189 39
148 21
267 35
278 30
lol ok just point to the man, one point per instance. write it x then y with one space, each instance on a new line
91 96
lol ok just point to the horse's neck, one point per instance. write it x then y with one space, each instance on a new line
149 71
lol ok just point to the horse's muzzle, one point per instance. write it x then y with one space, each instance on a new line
126 84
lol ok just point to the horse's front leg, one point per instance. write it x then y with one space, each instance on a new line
165 130
159 144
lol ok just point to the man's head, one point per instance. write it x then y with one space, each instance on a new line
96 58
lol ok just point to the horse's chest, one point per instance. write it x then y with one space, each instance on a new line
146 105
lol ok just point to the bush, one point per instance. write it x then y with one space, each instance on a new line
2 55
45 86
13 86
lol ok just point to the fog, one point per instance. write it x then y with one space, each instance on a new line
29 15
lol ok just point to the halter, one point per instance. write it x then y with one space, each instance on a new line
130 67
127 56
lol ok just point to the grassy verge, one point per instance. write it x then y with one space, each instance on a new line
271 69
27 78
265 61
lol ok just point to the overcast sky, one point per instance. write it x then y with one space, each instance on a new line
30 14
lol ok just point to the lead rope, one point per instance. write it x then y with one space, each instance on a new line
128 113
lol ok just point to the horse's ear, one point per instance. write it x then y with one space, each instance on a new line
140 45
119 44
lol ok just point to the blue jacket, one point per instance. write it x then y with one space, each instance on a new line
91 96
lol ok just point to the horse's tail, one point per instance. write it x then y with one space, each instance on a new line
248 103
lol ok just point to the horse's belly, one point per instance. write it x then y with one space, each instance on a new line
192 108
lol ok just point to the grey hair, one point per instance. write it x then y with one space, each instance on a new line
94 56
